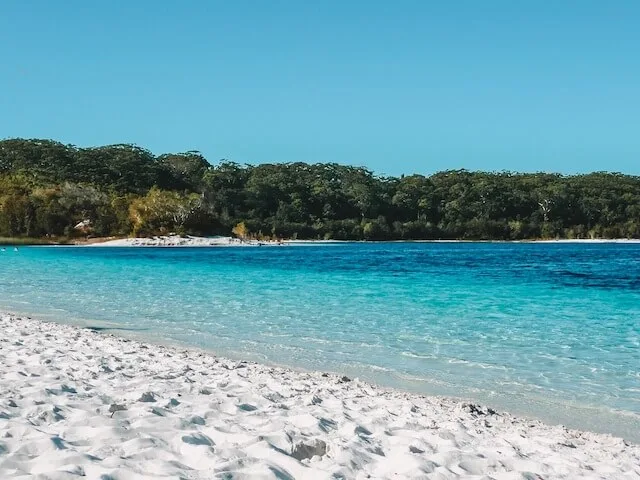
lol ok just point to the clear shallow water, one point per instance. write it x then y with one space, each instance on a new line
548 330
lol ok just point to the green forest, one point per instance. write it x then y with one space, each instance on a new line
59 192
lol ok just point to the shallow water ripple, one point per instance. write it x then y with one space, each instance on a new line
543 329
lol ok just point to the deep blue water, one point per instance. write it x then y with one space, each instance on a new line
549 330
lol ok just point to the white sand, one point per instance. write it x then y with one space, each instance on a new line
182 241
194 241
75 402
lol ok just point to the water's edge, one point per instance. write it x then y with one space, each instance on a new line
633 435
546 331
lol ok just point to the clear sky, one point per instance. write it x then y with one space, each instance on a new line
399 87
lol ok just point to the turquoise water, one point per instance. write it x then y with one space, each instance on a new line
548 330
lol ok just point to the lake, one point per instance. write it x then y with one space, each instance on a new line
542 329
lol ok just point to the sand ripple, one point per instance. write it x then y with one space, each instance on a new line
74 402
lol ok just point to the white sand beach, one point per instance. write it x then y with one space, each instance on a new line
75 402
195 241
181 241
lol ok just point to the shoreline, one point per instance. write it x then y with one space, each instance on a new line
79 400
538 408
226 241
195 241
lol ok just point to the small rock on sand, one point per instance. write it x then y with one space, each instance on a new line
147 397
309 449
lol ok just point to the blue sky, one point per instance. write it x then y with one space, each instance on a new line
400 87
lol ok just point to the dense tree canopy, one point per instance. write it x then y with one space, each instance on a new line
56 190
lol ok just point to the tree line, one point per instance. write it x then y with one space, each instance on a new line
48 189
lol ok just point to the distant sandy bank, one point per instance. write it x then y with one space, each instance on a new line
195 241
181 241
